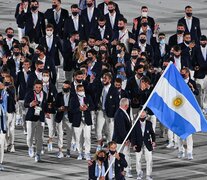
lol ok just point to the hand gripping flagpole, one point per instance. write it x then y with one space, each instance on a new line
140 112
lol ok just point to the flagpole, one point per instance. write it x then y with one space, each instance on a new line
140 112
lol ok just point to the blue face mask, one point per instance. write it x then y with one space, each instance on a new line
162 41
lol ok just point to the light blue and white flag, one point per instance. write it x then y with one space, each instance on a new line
174 104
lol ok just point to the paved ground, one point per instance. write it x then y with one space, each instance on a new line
166 166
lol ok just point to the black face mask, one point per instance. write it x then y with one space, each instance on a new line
101 26
34 8
54 6
111 10
177 56
65 90
180 31
10 36
145 24
91 46
90 58
79 81
164 67
189 14
40 70
112 152
183 75
23 44
140 74
74 13
1 43
142 41
203 45
16 53
76 41
85 48
102 52
100 158
187 42
89 5
171 54
121 28
142 119
134 57
118 51
7 83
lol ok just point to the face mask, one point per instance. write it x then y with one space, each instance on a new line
1 43
74 13
189 14
183 75
111 10
144 14
102 52
40 70
121 28
82 93
187 42
180 32
134 57
100 158
49 33
177 56
89 5
85 48
164 67
7 83
16 53
171 54
145 24
203 45
23 44
142 41
118 51
34 8
112 152
79 80
45 78
65 90
142 119
76 41
101 26
54 6
10 36
162 41
90 58
140 74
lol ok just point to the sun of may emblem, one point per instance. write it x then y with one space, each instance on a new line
178 101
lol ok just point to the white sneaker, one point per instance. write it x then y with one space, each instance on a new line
190 156
37 158
25 132
68 154
149 178
1 167
60 155
12 149
31 152
49 146
80 157
88 157
73 147
170 145
140 175
139 178
43 150
181 154
175 146
129 174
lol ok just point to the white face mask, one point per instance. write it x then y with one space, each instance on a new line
45 79
82 94
49 33
144 14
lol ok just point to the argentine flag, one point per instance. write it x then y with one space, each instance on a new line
174 104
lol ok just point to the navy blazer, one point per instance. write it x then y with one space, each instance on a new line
101 8
94 20
59 101
77 114
97 68
173 40
108 22
11 99
58 28
69 28
201 62
30 96
20 24
139 140
34 33
53 54
21 85
128 71
122 125
195 31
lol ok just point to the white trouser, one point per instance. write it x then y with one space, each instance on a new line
21 33
126 151
10 128
2 140
51 125
35 129
102 120
22 112
94 118
189 142
172 137
69 75
203 92
64 124
84 131
134 113
148 159
153 120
